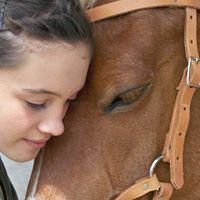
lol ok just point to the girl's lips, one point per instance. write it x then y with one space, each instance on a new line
35 143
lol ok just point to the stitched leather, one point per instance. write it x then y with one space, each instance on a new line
142 187
124 6
164 193
174 142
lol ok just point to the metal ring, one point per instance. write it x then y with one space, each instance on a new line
154 164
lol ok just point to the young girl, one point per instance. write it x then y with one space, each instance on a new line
45 50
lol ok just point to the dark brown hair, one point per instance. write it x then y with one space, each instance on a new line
45 20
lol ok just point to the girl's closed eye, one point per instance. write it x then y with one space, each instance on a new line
71 100
36 106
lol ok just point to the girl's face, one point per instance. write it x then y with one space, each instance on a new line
35 97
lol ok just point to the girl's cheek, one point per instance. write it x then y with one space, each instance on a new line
17 117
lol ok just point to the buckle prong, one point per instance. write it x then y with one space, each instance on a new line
189 83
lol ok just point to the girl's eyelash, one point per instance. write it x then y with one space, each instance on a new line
71 100
39 106
35 105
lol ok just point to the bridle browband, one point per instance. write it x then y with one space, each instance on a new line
174 142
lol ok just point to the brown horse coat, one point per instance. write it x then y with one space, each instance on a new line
118 124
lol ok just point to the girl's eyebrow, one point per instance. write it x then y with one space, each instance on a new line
40 91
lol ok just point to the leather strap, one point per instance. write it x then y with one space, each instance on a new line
124 6
174 143
191 48
140 188
164 193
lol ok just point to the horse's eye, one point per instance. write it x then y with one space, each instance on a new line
127 99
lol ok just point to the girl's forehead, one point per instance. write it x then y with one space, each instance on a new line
38 46
62 71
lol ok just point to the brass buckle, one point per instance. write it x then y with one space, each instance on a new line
189 83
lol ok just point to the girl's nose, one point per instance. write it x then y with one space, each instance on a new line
53 127
53 122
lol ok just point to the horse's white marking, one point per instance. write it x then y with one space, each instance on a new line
19 174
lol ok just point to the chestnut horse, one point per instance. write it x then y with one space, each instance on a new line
118 124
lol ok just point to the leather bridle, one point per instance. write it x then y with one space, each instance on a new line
174 142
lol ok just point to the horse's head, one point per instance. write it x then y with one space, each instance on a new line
118 125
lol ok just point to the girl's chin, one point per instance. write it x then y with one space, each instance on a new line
22 158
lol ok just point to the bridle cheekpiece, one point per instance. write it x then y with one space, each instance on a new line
174 142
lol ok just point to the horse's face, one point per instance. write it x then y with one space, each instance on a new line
118 124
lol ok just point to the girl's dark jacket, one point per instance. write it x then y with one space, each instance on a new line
7 191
